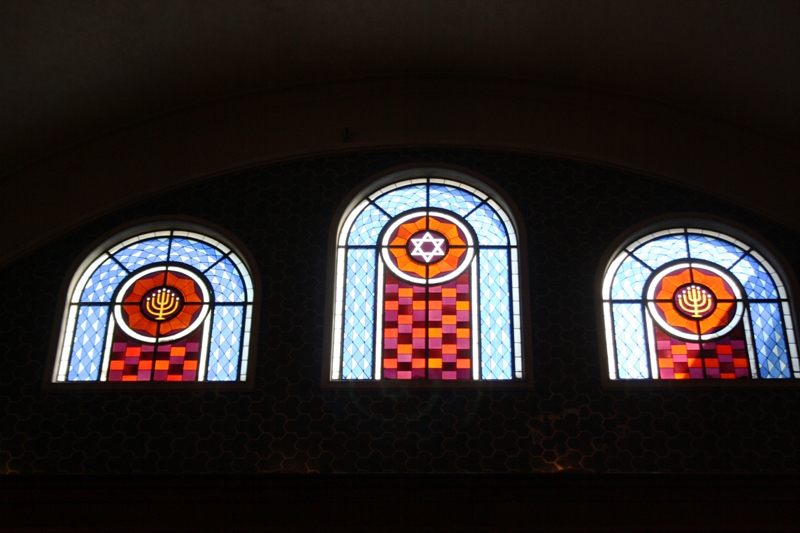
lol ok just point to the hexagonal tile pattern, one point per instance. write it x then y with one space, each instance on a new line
288 423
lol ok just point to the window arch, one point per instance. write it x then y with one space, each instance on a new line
427 282
160 302
687 299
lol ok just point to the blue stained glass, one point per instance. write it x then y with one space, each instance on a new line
143 253
398 200
87 344
662 250
194 253
226 338
453 199
714 250
104 281
228 285
359 315
367 226
630 341
629 281
488 226
495 315
756 281
773 361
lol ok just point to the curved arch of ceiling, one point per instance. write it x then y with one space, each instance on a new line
122 167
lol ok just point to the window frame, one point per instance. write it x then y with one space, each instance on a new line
682 220
416 171
114 237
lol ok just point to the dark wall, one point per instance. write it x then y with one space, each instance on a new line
283 213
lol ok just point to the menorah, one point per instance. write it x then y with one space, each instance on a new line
695 301
162 304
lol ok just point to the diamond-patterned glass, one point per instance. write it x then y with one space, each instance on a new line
756 281
194 253
87 343
630 279
773 360
396 201
495 315
143 253
103 282
488 226
714 250
367 226
226 339
228 285
662 250
453 199
359 315
630 341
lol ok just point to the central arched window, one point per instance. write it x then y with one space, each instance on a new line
427 283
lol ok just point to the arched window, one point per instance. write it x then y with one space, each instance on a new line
691 301
427 282
161 302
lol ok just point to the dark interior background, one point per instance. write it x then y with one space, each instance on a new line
567 421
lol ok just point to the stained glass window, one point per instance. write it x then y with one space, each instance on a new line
686 303
158 306
427 285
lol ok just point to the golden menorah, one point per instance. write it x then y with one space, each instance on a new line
162 304
695 301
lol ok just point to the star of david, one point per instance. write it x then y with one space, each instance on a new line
420 251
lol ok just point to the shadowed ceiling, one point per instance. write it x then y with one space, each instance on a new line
95 95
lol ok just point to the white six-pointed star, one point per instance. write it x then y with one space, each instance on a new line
419 247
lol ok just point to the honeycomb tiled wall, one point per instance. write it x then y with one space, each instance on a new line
283 213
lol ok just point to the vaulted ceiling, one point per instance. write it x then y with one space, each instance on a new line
105 102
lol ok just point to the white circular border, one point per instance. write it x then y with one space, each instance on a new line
133 279
683 335
421 281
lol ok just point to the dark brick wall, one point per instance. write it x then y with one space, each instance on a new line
572 213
